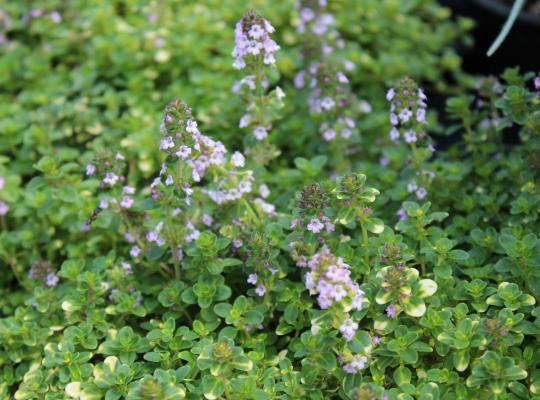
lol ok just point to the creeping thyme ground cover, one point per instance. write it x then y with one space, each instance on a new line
206 202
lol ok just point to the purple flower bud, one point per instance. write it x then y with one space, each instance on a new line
51 280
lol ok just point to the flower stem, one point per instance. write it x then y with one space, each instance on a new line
174 247
250 210
365 240
417 163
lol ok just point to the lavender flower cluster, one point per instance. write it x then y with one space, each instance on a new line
408 120
357 363
329 92
108 167
223 192
254 49
253 118
183 140
407 111
252 40
329 277
318 25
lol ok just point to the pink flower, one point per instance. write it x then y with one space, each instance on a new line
244 121
126 202
110 179
358 363
391 311
4 208
127 268
421 115
238 159
348 328
135 251
405 115
260 133
329 135
51 280
90 169
252 39
252 278
264 191
207 219
394 135
410 136
260 290
327 103
315 226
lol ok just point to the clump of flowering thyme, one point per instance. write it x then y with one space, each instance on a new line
330 278
330 98
408 119
252 41
407 111
254 51
191 155
317 26
196 167
183 140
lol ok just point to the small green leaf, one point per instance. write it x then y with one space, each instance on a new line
426 288
402 375
213 387
152 357
414 307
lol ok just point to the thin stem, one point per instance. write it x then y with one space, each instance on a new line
188 317
417 163
227 392
174 246
250 210
365 240
131 230
423 267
